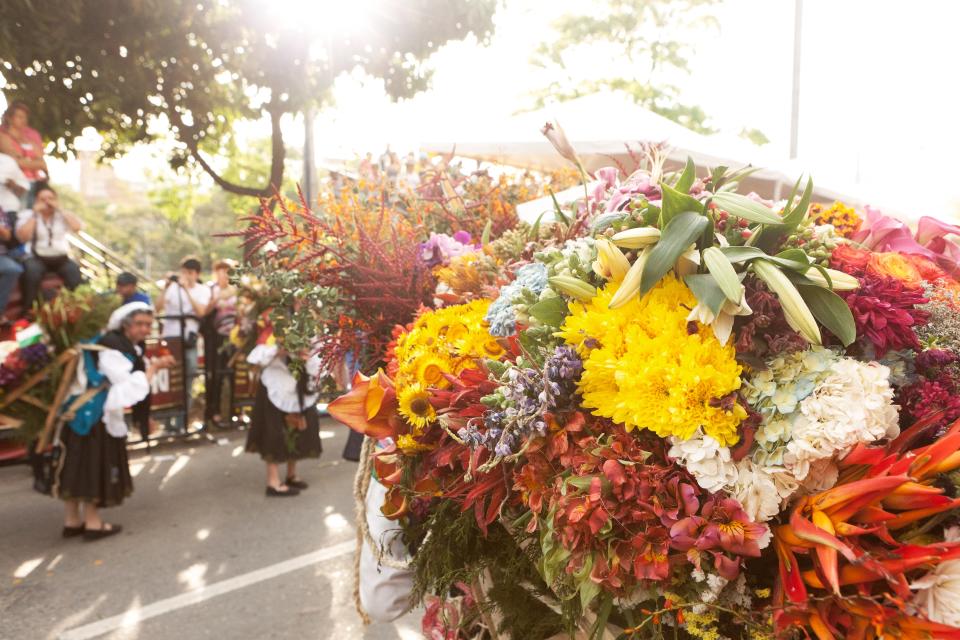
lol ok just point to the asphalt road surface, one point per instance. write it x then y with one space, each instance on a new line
203 554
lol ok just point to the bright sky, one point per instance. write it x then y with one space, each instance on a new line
877 92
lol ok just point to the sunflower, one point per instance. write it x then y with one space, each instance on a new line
415 406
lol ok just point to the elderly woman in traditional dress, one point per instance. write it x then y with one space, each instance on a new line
92 471
285 425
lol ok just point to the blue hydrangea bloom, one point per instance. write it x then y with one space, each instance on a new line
501 315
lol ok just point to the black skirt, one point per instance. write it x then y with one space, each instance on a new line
93 468
273 440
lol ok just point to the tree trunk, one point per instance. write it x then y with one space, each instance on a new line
277 153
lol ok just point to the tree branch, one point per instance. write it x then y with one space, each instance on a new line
277 153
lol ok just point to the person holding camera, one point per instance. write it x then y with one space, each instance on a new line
46 229
183 303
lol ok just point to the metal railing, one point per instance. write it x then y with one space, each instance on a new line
98 263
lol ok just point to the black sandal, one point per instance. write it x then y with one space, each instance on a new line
296 483
105 531
277 493
72 532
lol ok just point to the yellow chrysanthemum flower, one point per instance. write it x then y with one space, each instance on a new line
643 368
414 405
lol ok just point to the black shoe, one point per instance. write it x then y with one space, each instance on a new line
296 483
277 493
72 532
105 531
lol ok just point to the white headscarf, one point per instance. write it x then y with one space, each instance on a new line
118 316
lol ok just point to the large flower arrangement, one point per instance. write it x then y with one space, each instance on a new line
679 411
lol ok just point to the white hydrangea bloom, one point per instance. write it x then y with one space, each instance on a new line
939 593
706 461
853 404
761 490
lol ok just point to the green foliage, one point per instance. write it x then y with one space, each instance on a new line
457 551
120 65
650 43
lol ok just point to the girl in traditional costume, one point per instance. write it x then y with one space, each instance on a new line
285 425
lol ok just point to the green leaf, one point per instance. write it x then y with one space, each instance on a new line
716 176
737 255
744 207
535 229
603 615
722 271
770 236
550 311
676 238
588 591
581 482
795 215
795 265
795 255
556 207
675 203
485 238
606 220
687 177
831 311
706 290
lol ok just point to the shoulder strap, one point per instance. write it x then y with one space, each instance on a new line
71 412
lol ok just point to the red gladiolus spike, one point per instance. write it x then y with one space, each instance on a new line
790 576
909 517
846 529
819 627
863 454
902 465
934 455
869 515
902 442
806 530
846 492
923 501
950 463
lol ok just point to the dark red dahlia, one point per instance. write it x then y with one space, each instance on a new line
885 313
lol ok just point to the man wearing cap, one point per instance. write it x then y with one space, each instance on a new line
127 289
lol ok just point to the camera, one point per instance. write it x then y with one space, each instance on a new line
174 278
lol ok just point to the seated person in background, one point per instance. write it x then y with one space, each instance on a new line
127 289
44 229
13 184
23 143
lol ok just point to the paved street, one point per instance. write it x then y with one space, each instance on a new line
203 554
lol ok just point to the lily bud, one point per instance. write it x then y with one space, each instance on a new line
637 238
841 281
631 282
795 310
573 287
610 264
554 133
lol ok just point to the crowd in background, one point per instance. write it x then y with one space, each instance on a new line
34 228
389 169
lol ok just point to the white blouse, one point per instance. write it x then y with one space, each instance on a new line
127 388
280 383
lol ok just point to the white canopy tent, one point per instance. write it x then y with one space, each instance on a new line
606 129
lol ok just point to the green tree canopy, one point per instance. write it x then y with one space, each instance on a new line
638 47
202 65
